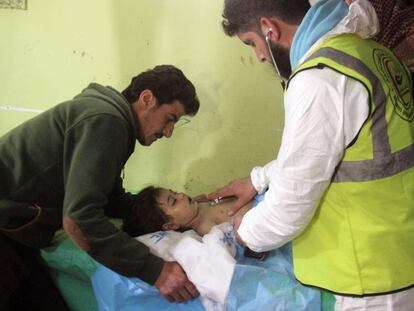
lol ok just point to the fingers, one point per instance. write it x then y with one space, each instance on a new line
187 292
190 287
201 198
239 239
223 192
173 283
170 298
236 205
233 210
239 188
236 224
176 297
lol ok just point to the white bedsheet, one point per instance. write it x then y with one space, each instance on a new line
208 261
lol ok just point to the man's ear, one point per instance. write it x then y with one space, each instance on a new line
147 99
270 28
170 226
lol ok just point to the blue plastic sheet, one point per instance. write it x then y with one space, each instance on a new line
115 292
269 285
256 285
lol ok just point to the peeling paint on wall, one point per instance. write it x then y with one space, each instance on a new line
13 4
19 109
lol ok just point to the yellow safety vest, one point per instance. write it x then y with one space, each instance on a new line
361 239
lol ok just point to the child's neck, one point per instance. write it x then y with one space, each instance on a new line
196 220
201 222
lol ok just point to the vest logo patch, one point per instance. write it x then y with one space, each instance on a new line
398 83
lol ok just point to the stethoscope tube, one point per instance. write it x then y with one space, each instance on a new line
282 81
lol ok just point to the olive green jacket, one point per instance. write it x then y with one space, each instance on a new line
62 168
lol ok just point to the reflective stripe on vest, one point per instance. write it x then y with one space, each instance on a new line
384 163
359 240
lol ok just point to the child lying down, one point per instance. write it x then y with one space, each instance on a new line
162 209
225 278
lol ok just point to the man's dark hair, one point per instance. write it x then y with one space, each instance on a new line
244 15
145 216
168 84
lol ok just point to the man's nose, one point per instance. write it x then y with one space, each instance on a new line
168 130
260 56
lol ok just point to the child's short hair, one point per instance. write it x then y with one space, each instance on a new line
145 216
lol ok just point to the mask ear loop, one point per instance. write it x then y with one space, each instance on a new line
282 81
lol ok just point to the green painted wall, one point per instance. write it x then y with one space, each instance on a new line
52 50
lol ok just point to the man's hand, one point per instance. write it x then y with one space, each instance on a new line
201 198
173 283
242 189
236 224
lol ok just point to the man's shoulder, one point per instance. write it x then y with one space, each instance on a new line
86 107
311 77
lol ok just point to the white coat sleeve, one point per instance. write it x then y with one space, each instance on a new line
260 177
324 112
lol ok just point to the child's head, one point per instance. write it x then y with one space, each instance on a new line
159 209
145 216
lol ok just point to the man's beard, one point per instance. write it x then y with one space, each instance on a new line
282 59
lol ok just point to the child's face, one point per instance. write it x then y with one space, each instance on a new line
179 207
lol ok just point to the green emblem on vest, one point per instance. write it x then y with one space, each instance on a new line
398 83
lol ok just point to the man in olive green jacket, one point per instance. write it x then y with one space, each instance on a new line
62 169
